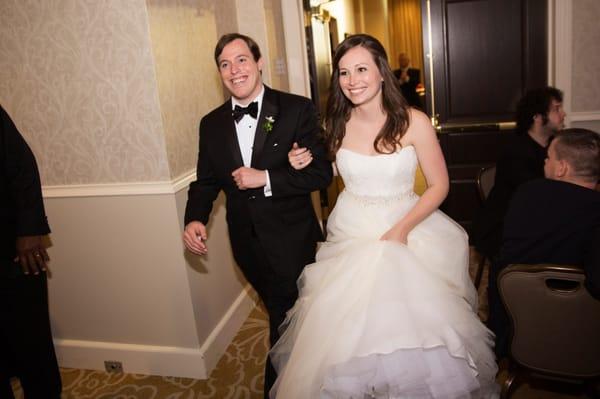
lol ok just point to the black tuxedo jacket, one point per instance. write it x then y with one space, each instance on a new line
285 223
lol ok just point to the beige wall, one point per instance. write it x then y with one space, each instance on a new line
374 19
343 12
586 56
182 37
78 79
574 59
276 44
110 287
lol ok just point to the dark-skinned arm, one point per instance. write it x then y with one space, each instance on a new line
25 192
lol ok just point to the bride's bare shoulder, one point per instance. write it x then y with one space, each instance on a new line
418 118
419 125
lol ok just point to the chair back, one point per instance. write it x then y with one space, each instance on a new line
485 181
556 322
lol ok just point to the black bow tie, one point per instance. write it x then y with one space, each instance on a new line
239 112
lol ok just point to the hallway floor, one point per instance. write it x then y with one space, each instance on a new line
239 373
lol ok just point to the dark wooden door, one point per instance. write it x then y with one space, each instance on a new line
481 57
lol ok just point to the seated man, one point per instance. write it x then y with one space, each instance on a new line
553 220
539 116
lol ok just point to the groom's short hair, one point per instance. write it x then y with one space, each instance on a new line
229 37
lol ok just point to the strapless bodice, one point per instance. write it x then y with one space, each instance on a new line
382 175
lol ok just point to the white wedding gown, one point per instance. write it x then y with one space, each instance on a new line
378 319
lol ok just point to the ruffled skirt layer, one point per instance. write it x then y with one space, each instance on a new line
385 320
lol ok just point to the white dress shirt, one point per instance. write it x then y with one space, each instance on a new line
246 130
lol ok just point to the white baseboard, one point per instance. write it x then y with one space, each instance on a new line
138 359
194 363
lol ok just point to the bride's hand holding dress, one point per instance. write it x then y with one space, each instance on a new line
395 234
422 137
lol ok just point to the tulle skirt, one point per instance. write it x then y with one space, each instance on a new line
378 319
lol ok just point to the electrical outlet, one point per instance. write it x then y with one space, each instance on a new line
112 366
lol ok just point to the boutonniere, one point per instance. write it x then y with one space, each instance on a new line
268 126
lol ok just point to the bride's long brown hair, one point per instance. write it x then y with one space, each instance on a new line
339 107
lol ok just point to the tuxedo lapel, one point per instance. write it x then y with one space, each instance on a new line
265 127
231 134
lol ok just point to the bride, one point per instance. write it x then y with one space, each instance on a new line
388 309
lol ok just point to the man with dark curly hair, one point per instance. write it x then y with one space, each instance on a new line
539 116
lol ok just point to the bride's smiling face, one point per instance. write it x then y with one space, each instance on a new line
359 76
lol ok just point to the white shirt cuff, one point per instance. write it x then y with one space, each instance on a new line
267 188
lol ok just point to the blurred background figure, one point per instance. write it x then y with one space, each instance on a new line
409 79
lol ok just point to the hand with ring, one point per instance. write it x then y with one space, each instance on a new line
31 254
299 157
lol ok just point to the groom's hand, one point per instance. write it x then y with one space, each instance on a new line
194 238
245 178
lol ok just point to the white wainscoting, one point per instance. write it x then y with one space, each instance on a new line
588 120
124 289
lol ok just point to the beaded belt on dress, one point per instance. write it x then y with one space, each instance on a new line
368 200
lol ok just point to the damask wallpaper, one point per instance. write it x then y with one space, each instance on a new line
586 56
78 79
113 91
183 35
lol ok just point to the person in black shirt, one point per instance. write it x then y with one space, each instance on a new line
539 115
26 347
554 220
409 79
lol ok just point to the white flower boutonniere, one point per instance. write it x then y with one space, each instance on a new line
268 126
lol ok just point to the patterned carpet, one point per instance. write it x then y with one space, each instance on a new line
238 375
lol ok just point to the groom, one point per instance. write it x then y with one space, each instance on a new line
243 151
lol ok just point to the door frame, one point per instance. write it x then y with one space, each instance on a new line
560 34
